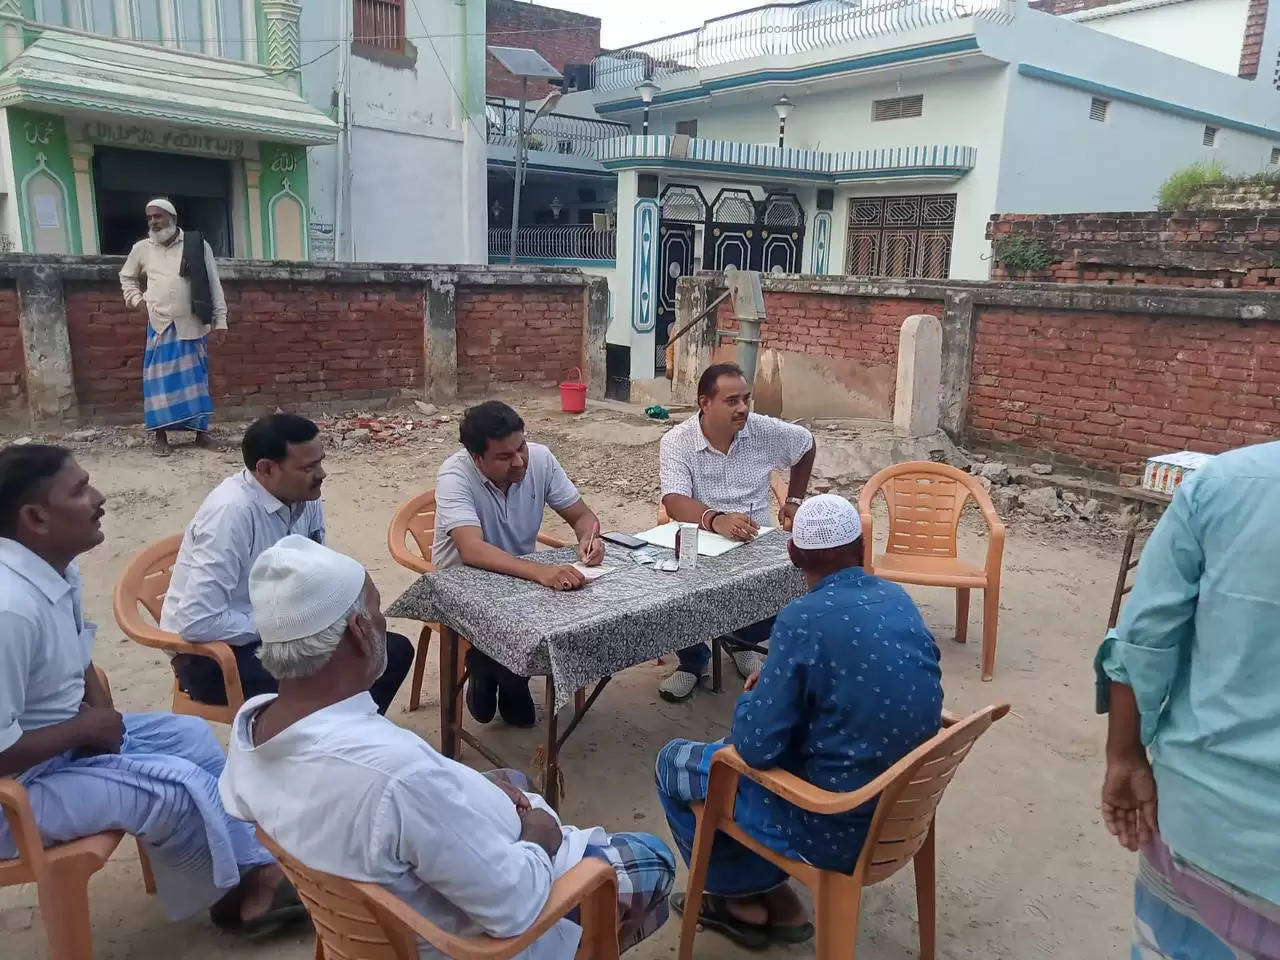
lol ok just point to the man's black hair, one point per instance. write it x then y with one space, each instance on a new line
711 376
25 472
268 438
491 420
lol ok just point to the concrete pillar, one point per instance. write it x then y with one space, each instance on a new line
284 47
82 167
42 314
694 350
11 41
253 188
915 404
595 300
442 339
957 362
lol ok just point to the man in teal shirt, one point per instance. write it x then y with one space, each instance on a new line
1191 678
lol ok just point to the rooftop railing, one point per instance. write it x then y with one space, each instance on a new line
555 133
780 29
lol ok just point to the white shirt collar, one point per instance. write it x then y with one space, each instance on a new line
34 569
702 443
260 493
310 728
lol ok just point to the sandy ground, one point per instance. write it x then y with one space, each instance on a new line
1025 868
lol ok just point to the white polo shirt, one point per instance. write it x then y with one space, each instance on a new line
737 481
45 643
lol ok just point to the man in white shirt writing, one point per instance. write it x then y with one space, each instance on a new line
276 494
348 792
716 470
183 302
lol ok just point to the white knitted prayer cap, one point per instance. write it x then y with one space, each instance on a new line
299 587
824 522
160 203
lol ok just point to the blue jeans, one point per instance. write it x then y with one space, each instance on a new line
695 659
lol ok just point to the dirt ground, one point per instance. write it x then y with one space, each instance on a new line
1025 870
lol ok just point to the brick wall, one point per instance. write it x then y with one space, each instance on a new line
1089 377
1251 49
291 344
529 339
13 371
559 35
1111 389
1226 249
302 335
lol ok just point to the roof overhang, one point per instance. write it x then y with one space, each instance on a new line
67 72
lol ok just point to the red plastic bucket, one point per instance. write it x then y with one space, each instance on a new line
573 394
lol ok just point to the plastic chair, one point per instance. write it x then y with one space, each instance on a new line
907 796
144 583
925 501
61 873
363 921
417 519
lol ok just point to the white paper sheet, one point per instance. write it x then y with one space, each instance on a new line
593 573
709 544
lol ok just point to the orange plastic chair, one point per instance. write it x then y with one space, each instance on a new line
416 519
143 584
61 873
907 796
925 501
363 921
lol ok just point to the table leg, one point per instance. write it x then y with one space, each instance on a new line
717 676
450 704
551 768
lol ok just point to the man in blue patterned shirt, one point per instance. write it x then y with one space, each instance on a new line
852 684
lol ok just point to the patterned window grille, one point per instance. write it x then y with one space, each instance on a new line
380 23
898 108
901 236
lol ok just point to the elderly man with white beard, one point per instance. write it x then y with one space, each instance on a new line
183 301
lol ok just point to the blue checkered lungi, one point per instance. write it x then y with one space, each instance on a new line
645 868
175 382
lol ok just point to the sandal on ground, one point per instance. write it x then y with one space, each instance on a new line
791 932
679 687
715 916
286 910
162 451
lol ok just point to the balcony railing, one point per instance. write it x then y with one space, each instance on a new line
554 133
780 29
555 243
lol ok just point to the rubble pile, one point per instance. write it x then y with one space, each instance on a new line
1013 489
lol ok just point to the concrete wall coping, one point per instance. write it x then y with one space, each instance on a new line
12 266
1148 300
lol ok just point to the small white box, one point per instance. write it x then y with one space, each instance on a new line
1165 473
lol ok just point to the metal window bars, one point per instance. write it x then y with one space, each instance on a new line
570 242
379 23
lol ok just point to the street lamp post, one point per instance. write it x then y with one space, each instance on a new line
646 88
783 109
527 65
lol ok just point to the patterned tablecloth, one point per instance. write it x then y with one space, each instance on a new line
632 615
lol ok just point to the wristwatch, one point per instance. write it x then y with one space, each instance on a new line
795 500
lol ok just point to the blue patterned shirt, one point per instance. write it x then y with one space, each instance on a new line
852 684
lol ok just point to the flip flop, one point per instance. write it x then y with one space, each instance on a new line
162 451
791 933
286 909
715 916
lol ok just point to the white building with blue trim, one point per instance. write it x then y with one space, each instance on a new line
907 125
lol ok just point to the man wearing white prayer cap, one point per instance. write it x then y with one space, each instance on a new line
348 792
183 302
852 684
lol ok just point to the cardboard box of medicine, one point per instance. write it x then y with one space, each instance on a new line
1165 473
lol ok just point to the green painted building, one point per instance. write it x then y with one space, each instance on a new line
108 103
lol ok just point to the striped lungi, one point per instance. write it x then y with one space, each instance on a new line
1184 913
175 382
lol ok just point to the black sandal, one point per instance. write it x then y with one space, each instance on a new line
715 916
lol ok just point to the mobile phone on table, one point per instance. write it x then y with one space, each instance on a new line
623 540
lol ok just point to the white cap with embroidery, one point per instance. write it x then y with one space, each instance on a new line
299 587
825 522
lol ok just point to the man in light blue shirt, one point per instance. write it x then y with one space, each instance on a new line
490 500
276 494
1191 679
